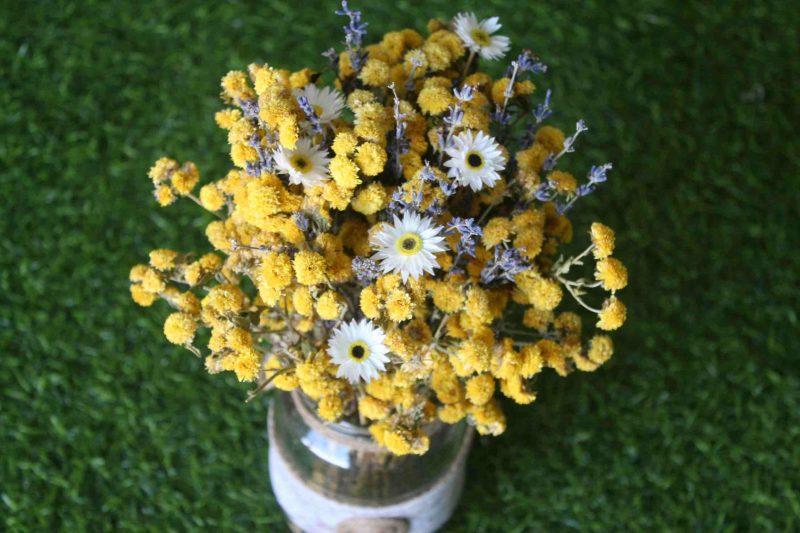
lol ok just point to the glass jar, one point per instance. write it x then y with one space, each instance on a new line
335 473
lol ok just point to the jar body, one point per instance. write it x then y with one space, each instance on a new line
332 477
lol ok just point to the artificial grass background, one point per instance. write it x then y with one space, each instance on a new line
692 425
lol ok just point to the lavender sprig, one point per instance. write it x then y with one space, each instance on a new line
543 110
354 33
398 205
434 210
569 146
249 108
365 269
311 115
469 231
597 175
500 114
264 163
505 265
454 116
415 64
527 62
332 57
427 175
302 221
466 247
401 142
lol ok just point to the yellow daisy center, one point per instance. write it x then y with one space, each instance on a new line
474 160
409 244
358 351
318 110
300 163
481 37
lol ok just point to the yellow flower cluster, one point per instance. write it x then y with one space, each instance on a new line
300 231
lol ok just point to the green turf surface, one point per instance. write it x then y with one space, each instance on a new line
695 423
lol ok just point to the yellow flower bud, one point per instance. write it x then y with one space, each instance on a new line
329 305
309 267
371 158
344 143
330 408
603 240
480 389
612 315
612 274
179 328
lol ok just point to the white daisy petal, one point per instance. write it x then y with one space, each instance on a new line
477 35
326 102
475 160
359 349
305 164
407 246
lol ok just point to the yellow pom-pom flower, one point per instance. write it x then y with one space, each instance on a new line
329 305
371 158
602 239
612 274
612 315
309 267
179 328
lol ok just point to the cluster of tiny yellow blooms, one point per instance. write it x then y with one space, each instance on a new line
266 299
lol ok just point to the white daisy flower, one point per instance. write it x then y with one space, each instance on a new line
305 164
407 246
477 36
326 102
359 349
475 160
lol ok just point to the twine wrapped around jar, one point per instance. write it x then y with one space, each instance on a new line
335 478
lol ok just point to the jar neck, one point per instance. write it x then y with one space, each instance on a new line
352 435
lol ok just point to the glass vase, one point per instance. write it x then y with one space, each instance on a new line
332 477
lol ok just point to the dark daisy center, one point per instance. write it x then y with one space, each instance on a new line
409 244
300 163
481 37
474 160
357 352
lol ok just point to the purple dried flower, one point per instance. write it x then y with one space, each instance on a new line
264 162
401 143
470 232
464 94
365 269
302 221
399 205
597 175
545 192
311 115
448 187
569 146
505 265
543 110
332 57
249 108
434 210
253 168
454 117
354 33
527 62
426 174
416 63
